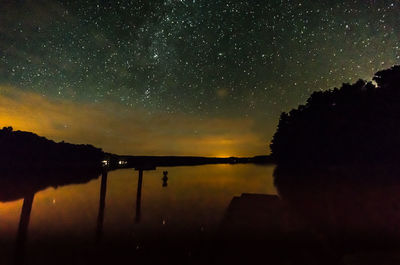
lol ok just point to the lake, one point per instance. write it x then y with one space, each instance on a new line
85 223
209 214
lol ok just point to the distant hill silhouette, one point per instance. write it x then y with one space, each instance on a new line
358 123
21 150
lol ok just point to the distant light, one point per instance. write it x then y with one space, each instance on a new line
105 162
122 162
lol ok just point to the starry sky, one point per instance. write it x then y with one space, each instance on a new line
182 77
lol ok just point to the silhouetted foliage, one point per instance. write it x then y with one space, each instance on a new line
358 123
27 150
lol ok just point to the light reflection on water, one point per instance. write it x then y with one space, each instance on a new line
195 199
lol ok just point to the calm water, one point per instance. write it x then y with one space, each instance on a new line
69 224
213 214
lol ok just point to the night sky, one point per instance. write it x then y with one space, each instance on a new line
187 77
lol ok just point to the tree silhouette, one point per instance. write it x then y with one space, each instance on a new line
27 150
358 123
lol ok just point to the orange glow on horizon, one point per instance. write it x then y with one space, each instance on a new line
117 129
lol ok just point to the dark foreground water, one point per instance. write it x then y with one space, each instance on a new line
214 214
165 221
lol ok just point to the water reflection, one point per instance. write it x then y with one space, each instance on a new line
165 179
25 184
61 218
214 214
352 214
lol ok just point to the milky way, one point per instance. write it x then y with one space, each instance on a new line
203 58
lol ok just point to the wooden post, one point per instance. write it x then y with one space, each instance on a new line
23 229
102 205
139 196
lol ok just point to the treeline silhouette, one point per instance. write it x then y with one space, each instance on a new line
358 123
21 150
171 161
